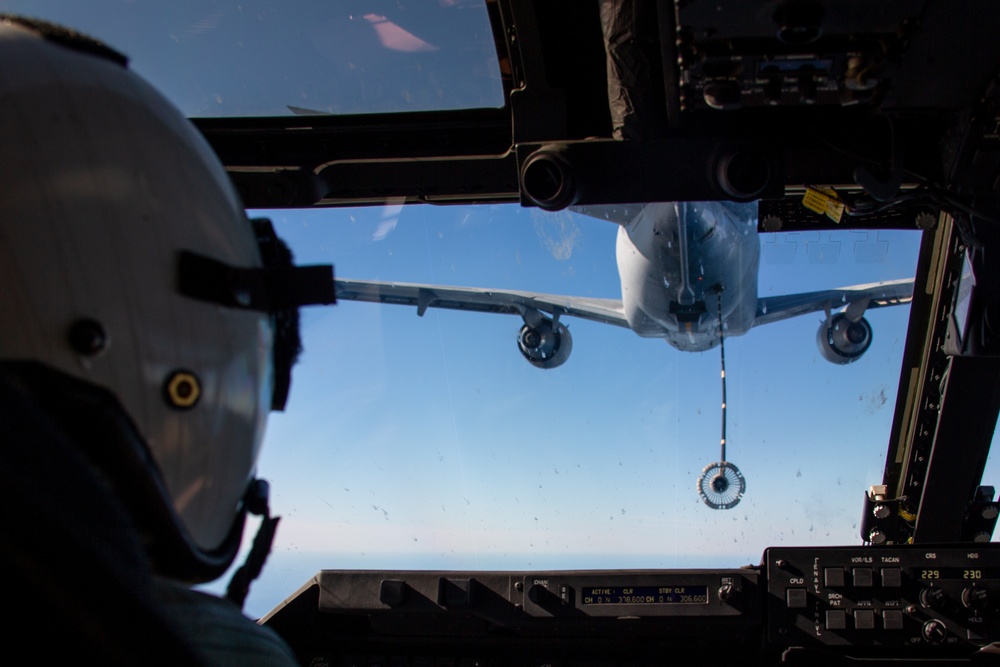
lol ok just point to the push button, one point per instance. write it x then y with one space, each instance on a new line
892 577
836 619
833 577
863 577
892 619
864 619
796 598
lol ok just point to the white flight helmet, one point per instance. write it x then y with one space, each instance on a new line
132 286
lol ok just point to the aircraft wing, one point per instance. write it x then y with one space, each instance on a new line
856 298
620 214
608 311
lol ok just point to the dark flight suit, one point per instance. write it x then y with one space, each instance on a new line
74 574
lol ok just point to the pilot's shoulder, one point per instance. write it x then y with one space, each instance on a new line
218 630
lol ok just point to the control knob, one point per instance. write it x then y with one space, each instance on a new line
975 598
934 631
544 598
931 598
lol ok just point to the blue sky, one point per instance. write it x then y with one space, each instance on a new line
429 442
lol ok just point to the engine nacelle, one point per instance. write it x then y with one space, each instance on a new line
545 345
842 341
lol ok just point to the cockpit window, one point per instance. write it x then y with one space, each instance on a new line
272 58
430 442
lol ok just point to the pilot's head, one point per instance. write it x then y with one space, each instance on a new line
136 300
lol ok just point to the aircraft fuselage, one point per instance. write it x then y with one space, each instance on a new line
672 260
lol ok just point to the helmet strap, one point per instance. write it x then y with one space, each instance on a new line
256 503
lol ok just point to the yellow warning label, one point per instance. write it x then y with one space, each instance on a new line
825 202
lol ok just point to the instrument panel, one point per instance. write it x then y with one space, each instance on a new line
801 604
883 596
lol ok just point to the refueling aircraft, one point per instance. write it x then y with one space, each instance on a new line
688 273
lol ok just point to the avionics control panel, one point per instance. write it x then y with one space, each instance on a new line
410 618
642 595
810 605
521 598
947 596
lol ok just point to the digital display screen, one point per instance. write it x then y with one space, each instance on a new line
644 594
963 573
